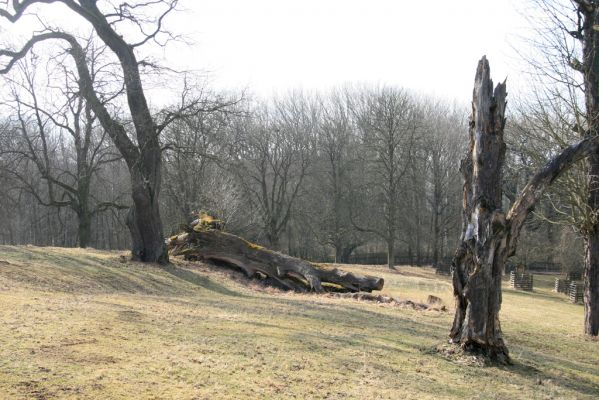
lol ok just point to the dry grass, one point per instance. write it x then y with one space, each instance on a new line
84 325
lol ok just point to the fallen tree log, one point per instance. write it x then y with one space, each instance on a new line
378 298
199 243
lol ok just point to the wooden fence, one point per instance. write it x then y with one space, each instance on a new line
521 280
576 292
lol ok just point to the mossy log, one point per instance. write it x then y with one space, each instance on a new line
256 261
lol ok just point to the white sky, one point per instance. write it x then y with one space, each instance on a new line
267 46
274 45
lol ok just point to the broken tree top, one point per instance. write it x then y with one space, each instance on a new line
202 242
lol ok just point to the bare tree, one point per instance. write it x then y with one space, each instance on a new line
337 144
565 107
442 147
195 144
144 154
388 120
271 159
40 129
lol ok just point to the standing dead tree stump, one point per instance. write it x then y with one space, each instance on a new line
479 260
489 237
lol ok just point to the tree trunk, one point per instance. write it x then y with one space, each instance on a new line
480 257
84 229
590 71
339 254
591 285
280 269
391 253
435 238
591 259
147 238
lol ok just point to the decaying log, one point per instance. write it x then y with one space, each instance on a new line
256 261
382 299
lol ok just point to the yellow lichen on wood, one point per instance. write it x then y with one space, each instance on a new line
207 222
254 246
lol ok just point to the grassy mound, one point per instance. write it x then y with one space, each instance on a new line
86 324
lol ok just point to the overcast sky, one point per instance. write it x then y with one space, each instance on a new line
430 46
267 46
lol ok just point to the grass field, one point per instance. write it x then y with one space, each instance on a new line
86 325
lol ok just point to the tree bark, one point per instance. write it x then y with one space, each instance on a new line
591 283
84 229
489 237
282 270
391 253
478 262
590 70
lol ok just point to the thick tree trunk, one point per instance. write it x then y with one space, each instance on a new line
143 220
488 236
591 240
84 229
282 270
591 285
481 255
590 70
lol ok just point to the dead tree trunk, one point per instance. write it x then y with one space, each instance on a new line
489 237
281 270
479 259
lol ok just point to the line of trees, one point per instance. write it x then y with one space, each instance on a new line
322 176
314 175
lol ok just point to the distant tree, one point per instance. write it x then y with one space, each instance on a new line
389 121
442 147
337 144
271 153
194 146
57 136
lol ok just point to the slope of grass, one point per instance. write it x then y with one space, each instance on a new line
86 325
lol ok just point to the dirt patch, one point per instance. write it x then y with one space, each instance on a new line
34 390
130 315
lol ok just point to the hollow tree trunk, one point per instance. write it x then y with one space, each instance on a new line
478 262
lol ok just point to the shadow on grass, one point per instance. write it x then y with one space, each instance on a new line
200 281
535 365
401 333
538 294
